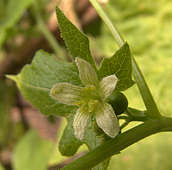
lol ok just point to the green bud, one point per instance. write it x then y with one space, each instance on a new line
119 102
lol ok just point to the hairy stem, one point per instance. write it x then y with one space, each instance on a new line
141 83
121 142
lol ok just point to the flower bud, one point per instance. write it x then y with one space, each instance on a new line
119 102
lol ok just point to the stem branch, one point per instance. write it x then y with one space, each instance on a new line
122 141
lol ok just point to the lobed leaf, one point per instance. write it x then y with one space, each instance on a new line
36 80
76 42
69 144
120 65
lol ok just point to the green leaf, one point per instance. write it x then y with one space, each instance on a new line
69 144
36 80
120 65
32 152
76 42
13 13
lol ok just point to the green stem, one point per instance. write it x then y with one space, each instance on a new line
120 41
152 109
124 124
137 115
108 22
141 83
48 35
121 142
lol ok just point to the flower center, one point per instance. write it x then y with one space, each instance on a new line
90 99
90 92
92 105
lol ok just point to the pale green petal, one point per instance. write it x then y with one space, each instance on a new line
107 85
79 123
87 73
107 120
66 93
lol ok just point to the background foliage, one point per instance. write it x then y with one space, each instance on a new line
147 28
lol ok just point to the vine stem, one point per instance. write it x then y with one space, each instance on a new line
122 141
152 109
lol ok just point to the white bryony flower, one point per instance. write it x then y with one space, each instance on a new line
90 99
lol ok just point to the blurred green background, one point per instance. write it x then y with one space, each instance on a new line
28 140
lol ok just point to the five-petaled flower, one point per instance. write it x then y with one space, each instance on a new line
91 100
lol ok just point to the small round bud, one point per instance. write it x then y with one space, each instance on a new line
119 102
